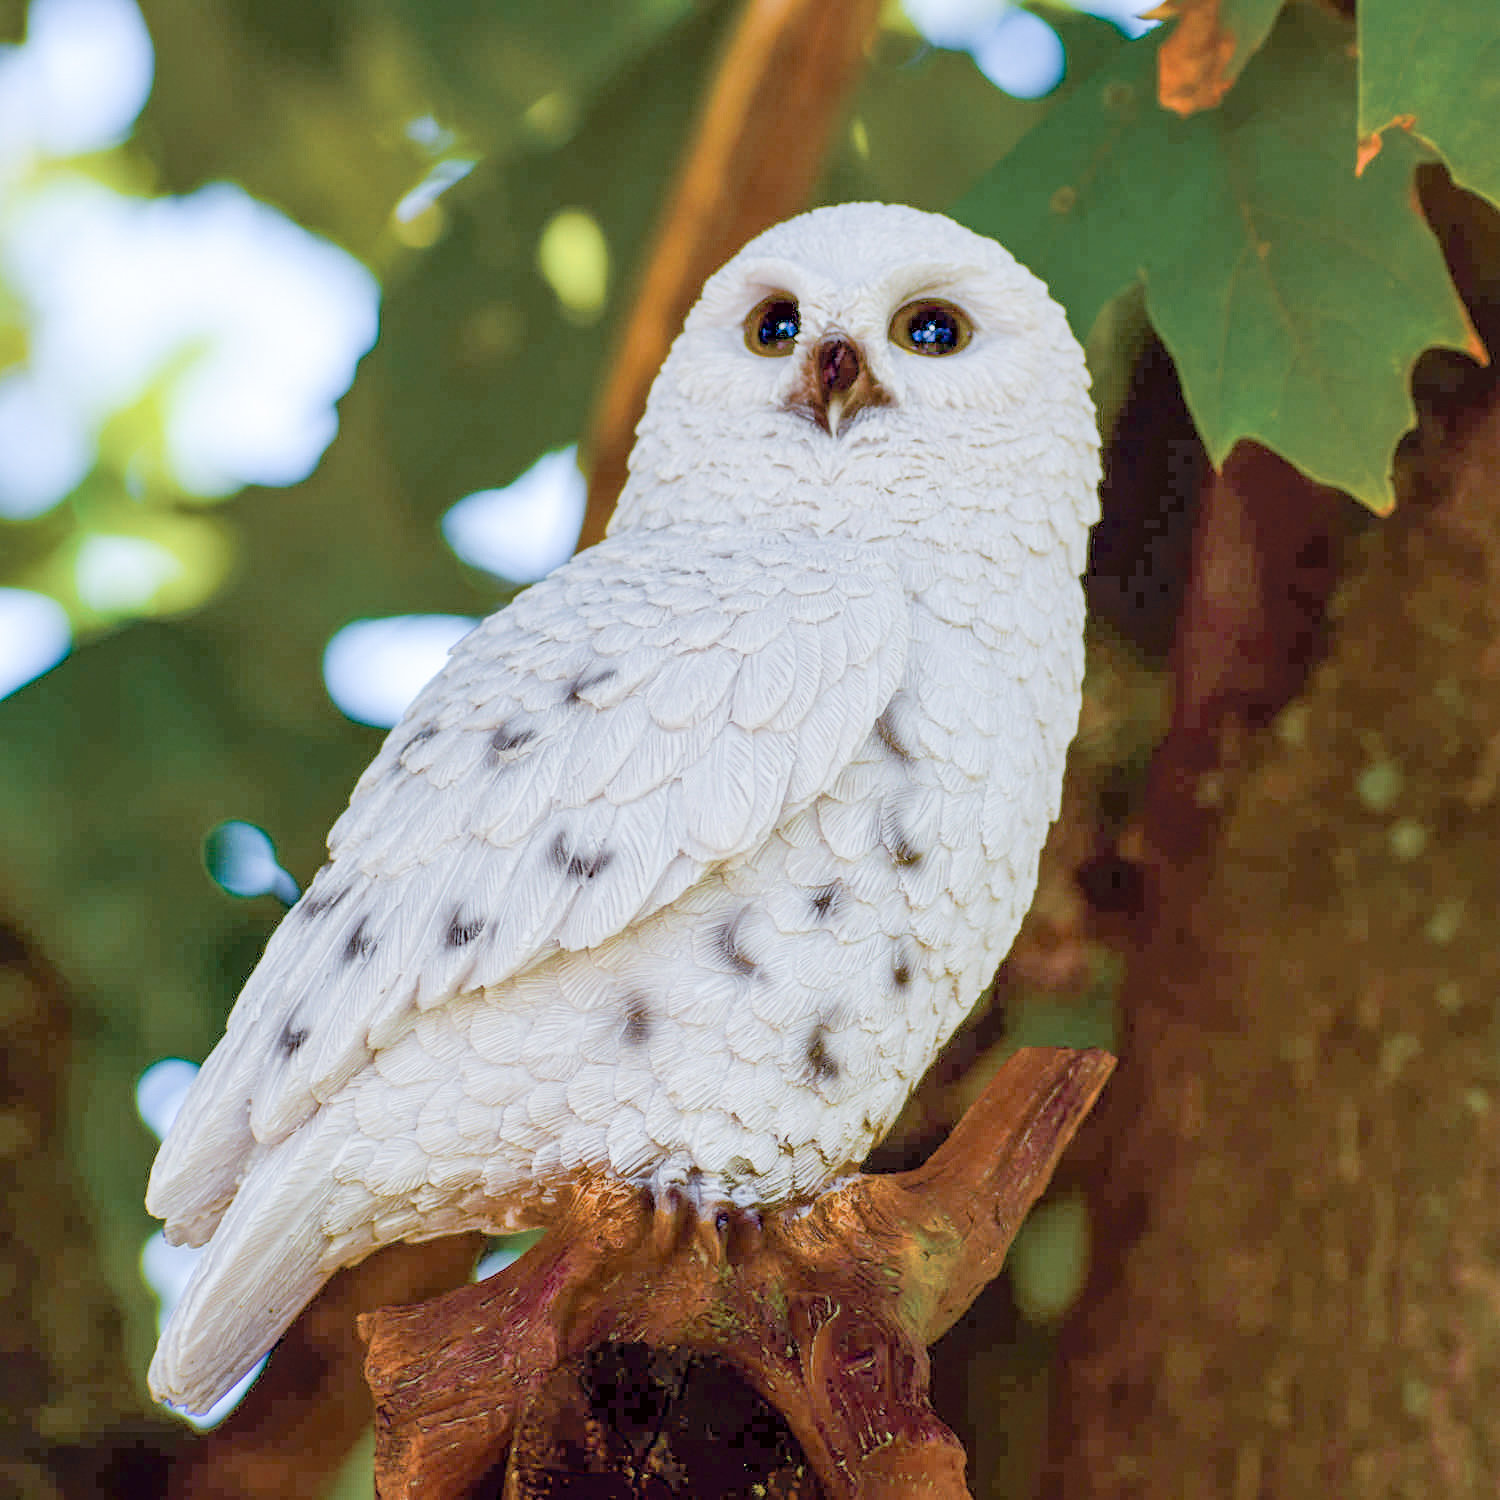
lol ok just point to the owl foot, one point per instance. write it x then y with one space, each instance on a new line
724 1232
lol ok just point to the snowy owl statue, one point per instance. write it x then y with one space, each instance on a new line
689 861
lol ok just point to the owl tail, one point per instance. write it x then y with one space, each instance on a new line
266 1261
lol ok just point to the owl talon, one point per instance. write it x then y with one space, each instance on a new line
670 1209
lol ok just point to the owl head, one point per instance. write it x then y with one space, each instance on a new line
866 368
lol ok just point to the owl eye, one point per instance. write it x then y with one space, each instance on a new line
772 326
931 327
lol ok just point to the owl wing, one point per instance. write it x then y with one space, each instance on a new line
653 709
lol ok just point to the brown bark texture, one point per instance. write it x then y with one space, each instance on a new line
1293 1177
811 1323
62 1379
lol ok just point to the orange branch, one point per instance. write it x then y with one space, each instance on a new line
785 76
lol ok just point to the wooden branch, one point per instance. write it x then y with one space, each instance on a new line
810 1324
783 81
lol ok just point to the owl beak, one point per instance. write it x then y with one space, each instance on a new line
836 383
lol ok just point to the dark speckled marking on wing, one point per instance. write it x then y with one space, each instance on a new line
582 867
901 966
727 945
506 738
638 1021
311 906
461 933
584 681
361 944
421 737
819 1056
826 899
291 1038
575 863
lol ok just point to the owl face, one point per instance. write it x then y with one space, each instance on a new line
868 349
878 318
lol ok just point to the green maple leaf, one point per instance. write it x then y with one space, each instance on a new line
1433 66
1293 295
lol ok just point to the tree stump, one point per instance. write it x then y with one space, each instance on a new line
641 1350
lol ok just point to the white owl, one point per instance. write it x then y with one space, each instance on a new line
690 860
